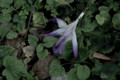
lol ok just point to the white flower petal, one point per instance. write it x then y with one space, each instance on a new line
75 45
61 23
70 37
56 32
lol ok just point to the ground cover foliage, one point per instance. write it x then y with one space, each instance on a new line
27 55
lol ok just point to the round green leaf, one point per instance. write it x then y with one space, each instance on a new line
104 8
56 69
105 15
100 19
12 35
39 19
88 26
14 68
32 40
18 3
115 21
42 54
68 53
3 31
83 54
83 72
40 47
5 51
71 75
5 3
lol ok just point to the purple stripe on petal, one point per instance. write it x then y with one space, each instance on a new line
61 48
54 33
75 45
50 34
75 50
58 48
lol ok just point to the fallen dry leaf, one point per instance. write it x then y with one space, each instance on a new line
16 43
23 32
28 51
41 68
101 56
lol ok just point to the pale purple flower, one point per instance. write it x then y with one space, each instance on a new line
67 32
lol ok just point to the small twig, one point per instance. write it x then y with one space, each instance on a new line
28 26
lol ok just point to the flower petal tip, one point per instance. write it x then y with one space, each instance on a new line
75 56
75 53
44 34
54 20
54 33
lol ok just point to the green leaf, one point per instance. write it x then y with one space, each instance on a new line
105 77
32 40
100 19
42 54
40 1
54 13
109 68
115 6
115 21
68 1
16 18
1 78
68 53
105 15
91 1
12 35
5 17
56 69
83 72
49 41
82 54
39 19
3 31
6 51
14 68
40 47
72 74
60 2
104 8
9 10
88 26
96 69
52 5
5 3
31 76
97 43
19 3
